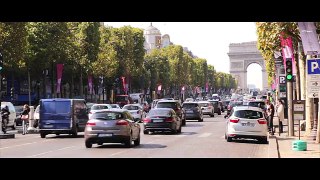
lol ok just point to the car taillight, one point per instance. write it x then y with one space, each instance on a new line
122 122
262 121
169 119
91 123
146 120
233 120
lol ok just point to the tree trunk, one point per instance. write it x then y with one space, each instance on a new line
302 70
72 86
81 83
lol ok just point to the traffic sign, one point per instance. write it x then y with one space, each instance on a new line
282 80
313 77
299 109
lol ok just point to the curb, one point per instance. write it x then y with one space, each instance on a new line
273 149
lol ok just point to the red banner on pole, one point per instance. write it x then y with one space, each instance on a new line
59 76
287 52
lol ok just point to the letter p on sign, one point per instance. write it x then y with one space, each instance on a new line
314 65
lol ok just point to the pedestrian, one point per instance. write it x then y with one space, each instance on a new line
280 113
25 112
270 114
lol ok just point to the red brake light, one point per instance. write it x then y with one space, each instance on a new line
146 120
122 122
233 120
262 121
169 119
91 123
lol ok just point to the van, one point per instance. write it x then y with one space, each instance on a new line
12 116
62 116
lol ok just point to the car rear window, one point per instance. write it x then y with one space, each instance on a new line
257 104
109 116
97 107
214 102
189 106
172 105
131 107
56 107
159 112
248 114
204 104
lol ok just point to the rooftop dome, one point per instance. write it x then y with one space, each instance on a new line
151 30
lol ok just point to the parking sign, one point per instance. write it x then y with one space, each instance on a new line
313 77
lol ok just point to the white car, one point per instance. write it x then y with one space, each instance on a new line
136 110
98 107
207 108
247 122
36 113
12 115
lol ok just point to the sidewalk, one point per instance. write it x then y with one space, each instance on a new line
281 146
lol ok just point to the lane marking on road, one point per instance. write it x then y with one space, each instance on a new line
51 151
205 135
7 147
118 153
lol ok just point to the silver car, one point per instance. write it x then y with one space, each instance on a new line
247 122
207 108
112 126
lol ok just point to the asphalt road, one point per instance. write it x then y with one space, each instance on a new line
198 139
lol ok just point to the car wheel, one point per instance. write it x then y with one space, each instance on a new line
128 142
100 144
88 144
42 135
229 139
219 113
75 132
145 132
264 140
212 115
13 127
137 141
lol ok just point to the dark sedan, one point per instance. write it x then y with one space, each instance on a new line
162 119
193 111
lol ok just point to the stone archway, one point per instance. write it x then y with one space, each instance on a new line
241 55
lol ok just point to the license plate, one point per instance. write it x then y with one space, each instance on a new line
247 124
158 120
189 111
104 135
48 126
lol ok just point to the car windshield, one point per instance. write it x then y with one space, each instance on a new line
114 105
166 105
131 107
159 112
248 114
121 98
108 116
98 107
257 104
190 105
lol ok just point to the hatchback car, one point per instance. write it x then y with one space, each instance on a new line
193 111
115 106
112 126
162 119
207 108
217 106
247 122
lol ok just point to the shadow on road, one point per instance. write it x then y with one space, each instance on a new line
193 125
141 146
150 146
64 136
249 141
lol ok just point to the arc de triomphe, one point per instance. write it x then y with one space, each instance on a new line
241 55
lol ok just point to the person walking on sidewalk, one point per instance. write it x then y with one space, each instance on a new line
280 113
270 114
